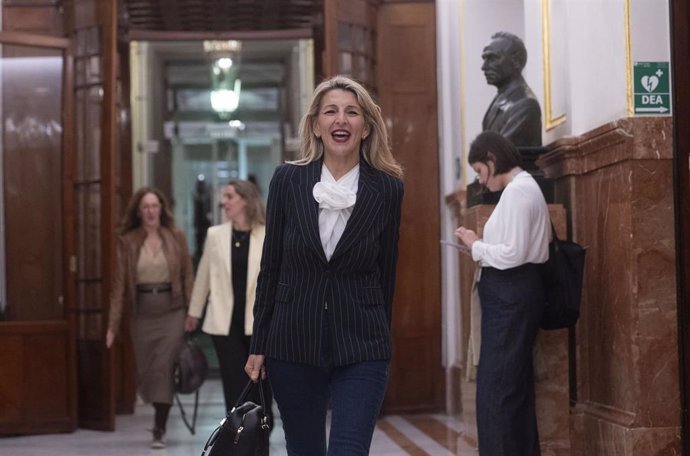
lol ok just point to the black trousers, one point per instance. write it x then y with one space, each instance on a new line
512 303
232 351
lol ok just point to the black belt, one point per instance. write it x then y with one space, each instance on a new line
154 288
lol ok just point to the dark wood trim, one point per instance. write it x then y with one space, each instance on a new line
69 236
330 40
29 39
107 12
32 327
680 66
156 35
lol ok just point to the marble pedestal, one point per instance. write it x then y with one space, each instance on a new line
615 182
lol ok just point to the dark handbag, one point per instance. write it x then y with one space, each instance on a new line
245 429
189 373
191 367
562 274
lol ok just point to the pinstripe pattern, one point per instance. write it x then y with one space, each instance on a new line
296 282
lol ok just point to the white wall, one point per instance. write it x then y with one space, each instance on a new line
592 46
462 101
649 23
481 19
141 62
450 153
590 58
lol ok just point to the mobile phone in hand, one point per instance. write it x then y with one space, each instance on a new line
462 248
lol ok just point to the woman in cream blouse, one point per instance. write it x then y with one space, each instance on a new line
227 276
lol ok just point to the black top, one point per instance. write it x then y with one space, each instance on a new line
239 253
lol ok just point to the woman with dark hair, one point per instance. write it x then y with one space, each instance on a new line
227 276
324 299
516 241
152 285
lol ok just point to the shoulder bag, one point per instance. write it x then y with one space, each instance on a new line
562 274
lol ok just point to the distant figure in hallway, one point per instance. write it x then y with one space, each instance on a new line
324 299
152 285
515 111
227 276
511 295
201 197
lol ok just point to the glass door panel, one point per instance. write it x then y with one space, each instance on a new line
32 131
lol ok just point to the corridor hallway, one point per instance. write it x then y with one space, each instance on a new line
395 435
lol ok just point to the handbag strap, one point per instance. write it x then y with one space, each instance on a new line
554 236
189 426
250 384
247 389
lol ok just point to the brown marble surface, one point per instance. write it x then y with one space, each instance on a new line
616 184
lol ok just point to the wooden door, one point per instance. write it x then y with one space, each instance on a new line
406 80
93 27
349 40
390 47
37 360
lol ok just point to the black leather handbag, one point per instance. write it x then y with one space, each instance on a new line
191 367
562 274
189 373
244 431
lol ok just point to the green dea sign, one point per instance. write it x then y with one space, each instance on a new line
652 88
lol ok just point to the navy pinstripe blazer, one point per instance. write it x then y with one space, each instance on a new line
299 291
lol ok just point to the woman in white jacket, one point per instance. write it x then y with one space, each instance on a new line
227 276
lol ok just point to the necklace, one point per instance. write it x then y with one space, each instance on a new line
239 239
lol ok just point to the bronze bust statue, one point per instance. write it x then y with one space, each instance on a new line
515 111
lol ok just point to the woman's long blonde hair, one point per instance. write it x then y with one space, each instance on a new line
374 148
256 213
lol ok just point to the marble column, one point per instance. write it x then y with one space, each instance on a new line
615 183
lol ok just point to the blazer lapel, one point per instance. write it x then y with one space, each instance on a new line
307 207
224 244
254 256
367 207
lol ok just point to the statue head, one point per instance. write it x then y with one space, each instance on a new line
504 58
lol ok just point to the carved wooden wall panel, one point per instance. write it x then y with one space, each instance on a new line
42 17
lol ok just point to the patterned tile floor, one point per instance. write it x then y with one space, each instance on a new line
395 435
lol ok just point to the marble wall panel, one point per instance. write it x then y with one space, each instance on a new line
616 185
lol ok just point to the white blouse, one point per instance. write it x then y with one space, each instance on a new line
518 230
336 200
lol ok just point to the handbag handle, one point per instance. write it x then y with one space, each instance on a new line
554 236
247 389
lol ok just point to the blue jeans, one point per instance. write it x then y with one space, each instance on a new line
303 392
512 304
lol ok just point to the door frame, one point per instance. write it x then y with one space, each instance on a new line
680 67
